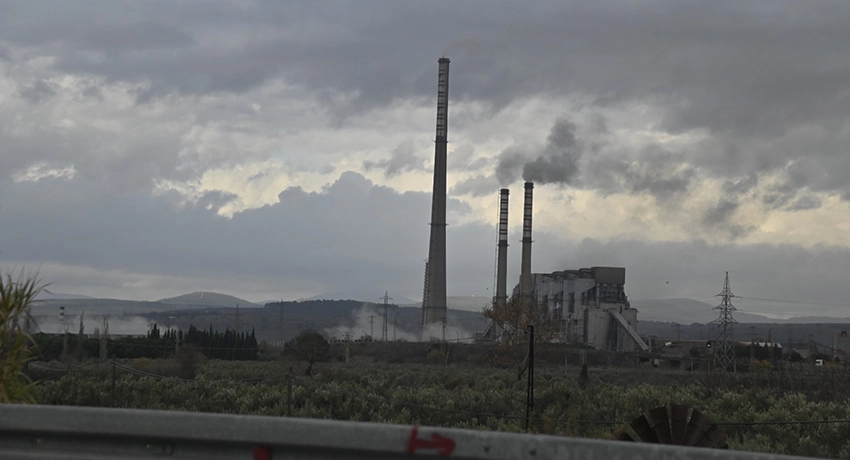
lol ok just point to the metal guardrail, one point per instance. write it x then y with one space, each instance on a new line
53 432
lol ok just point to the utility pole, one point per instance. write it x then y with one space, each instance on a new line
529 392
724 354
812 349
280 320
104 338
752 345
395 323
386 298
790 340
444 329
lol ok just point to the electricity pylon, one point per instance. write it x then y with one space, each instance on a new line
724 351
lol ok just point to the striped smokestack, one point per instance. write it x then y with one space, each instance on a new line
525 271
500 300
434 303
502 271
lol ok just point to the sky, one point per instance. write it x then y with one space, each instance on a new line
281 150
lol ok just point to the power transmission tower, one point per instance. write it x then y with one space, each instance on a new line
724 354
386 298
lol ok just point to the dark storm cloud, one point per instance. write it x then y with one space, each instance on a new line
740 185
37 91
652 170
720 213
749 74
720 219
350 235
725 66
805 202
404 158
476 186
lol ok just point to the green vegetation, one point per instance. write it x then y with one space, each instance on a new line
15 342
227 345
479 397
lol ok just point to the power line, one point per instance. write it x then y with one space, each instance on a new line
794 302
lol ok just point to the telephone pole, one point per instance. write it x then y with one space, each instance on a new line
529 391
280 319
724 355
386 298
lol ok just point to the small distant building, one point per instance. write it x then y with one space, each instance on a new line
591 305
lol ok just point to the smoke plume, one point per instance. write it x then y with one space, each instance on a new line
558 162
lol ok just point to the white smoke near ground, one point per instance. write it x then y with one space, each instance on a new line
368 321
453 333
118 325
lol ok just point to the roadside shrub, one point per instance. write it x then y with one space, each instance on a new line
15 342
436 357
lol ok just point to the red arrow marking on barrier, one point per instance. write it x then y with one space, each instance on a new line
445 445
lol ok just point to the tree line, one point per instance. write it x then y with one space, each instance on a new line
157 343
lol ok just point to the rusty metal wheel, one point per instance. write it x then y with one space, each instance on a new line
677 425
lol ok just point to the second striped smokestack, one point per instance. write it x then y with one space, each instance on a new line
525 284
502 263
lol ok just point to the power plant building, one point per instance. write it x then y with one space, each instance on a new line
591 305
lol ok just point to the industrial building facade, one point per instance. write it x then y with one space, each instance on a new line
591 305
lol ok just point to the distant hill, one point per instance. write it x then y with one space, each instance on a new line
466 302
47 295
687 311
208 299
335 318
372 298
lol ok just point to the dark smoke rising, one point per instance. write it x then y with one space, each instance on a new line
509 165
558 163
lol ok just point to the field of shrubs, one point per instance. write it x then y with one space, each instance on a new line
753 409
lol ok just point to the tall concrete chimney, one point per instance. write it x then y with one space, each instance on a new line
501 298
434 303
525 271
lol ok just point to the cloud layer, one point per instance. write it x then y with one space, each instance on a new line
284 149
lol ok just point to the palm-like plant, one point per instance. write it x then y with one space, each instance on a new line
15 341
